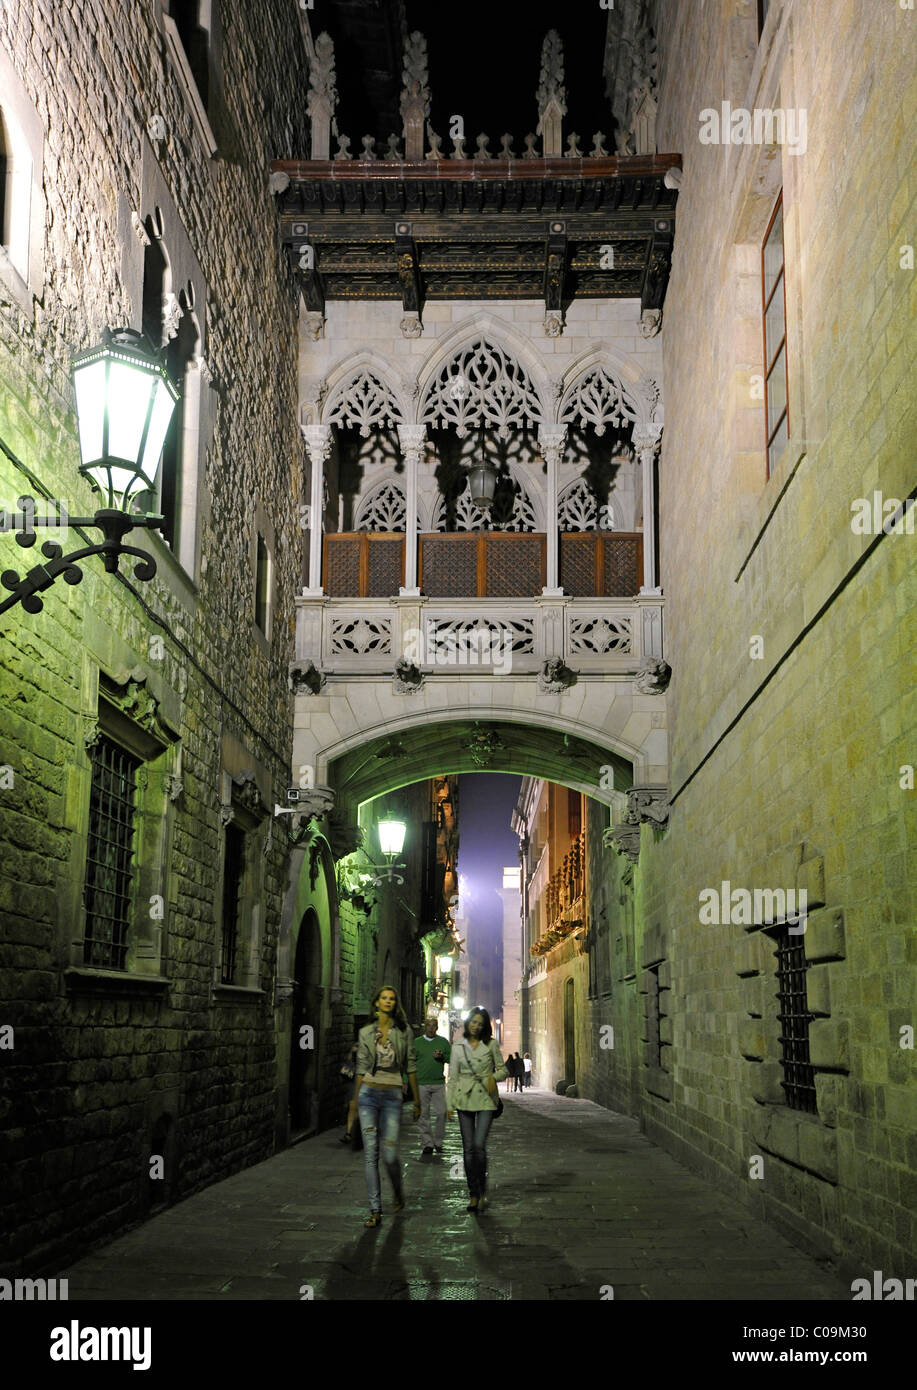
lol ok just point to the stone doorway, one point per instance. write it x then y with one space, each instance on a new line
569 1032
307 1007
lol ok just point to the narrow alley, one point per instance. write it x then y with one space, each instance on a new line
580 1200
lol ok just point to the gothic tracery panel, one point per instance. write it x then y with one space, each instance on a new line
383 509
361 636
578 509
363 402
482 385
600 636
597 399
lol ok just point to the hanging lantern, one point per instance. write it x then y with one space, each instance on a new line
482 479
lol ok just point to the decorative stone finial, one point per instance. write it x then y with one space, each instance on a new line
551 95
482 151
322 98
436 144
530 150
598 150
415 95
506 147
343 149
368 151
573 150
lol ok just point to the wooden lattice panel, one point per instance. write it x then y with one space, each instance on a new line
384 565
578 563
623 568
514 565
449 565
342 566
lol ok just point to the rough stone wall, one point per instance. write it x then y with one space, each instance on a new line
805 789
93 1072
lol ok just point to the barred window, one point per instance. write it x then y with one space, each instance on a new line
653 1020
763 6
108 883
233 872
794 1017
776 380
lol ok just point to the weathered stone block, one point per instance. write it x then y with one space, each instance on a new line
752 1039
828 1044
753 954
824 937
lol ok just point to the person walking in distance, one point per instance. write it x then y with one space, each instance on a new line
527 1063
385 1049
510 1072
518 1073
433 1052
474 1071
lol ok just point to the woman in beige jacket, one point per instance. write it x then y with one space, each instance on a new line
475 1067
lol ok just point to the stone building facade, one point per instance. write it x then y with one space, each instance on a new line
137 147
770 1051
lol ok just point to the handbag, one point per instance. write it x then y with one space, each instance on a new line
499 1110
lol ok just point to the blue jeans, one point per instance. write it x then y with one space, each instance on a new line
379 1109
475 1126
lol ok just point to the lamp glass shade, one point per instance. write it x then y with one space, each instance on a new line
445 965
482 483
458 1002
124 402
391 836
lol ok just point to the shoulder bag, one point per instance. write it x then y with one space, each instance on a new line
499 1110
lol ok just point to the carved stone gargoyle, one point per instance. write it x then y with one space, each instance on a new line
554 677
305 678
408 678
343 836
653 678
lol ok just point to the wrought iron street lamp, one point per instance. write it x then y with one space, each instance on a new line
124 400
391 842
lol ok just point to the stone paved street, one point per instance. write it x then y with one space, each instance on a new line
579 1199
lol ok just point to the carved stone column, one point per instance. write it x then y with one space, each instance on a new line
552 439
318 445
412 439
322 98
646 442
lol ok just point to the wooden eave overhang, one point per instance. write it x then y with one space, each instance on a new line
551 229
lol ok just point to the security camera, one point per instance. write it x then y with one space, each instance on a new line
293 794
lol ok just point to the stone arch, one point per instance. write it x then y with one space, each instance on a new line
388 407
501 335
573 750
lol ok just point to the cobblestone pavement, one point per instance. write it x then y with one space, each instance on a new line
579 1199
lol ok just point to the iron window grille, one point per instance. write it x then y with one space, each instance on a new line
233 873
107 891
794 1018
776 372
654 1019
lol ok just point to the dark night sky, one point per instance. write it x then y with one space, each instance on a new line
486 846
484 64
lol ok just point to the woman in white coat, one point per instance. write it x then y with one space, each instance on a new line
475 1067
